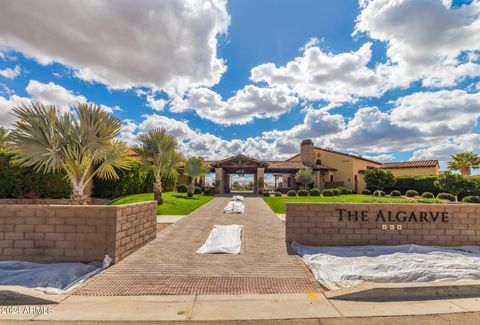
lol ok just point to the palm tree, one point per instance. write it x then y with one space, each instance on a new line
158 151
195 167
82 143
464 162
3 137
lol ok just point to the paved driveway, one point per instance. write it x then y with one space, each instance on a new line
169 264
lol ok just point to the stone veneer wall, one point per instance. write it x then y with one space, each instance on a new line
72 233
345 224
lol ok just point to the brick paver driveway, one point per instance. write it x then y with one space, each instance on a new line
169 264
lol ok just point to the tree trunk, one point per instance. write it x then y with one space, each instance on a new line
191 187
78 196
157 191
465 171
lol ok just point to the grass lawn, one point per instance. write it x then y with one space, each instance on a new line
174 203
278 204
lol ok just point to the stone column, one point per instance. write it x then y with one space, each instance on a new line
255 185
317 175
260 175
219 181
284 180
227 181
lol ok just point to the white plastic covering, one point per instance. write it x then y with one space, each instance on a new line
238 198
223 239
340 267
234 207
50 278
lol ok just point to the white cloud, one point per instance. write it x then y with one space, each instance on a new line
425 39
156 104
248 103
11 73
317 75
6 105
169 45
442 151
53 94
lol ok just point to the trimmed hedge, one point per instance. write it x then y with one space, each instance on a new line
330 192
315 192
19 182
411 193
198 190
379 193
302 192
292 193
266 194
278 193
132 181
471 199
209 190
428 195
395 193
366 192
446 196
182 188
344 190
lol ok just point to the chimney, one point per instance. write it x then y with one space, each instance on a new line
306 152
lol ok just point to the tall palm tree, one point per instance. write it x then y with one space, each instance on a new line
195 167
464 162
80 143
159 153
3 137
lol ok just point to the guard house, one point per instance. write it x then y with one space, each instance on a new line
331 169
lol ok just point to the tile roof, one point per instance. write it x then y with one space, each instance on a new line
285 164
410 164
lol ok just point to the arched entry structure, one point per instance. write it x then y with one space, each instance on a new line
239 164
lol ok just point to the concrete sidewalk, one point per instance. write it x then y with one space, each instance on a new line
238 307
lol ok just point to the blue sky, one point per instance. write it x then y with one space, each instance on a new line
392 80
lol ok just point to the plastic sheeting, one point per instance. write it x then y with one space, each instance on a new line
223 239
234 207
50 278
340 267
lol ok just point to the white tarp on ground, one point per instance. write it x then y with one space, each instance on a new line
237 198
223 239
234 207
340 267
50 278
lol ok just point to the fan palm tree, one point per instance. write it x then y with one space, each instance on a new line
158 152
3 137
80 143
195 168
464 162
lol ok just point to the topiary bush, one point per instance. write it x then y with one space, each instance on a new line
395 193
182 188
209 190
446 196
379 193
344 190
471 199
366 192
278 193
428 195
198 190
411 193
315 192
330 192
292 193
337 191
266 194
302 192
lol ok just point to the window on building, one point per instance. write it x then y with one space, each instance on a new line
331 178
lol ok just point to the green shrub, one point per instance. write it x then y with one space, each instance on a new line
198 190
446 196
17 182
266 194
395 193
366 192
379 193
330 192
344 190
209 191
337 191
292 193
418 183
471 199
428 195
315 192
302 192
278 193
182 188
411 193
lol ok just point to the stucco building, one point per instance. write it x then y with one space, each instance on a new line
331 169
